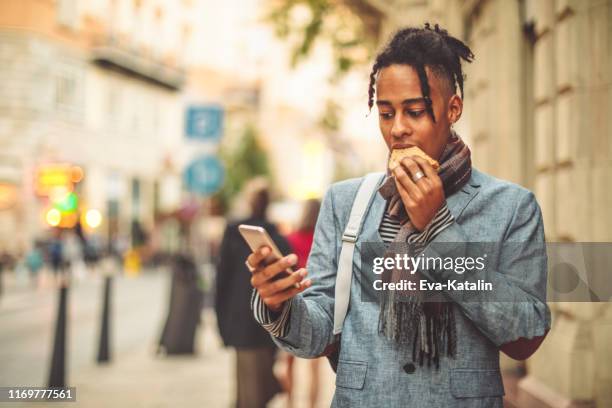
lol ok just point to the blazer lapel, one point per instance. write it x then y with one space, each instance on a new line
374 245
457 202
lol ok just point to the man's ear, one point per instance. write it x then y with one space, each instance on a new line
455 108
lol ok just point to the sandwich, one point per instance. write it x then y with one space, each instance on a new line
397 155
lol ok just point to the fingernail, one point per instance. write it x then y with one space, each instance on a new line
265 251
303 273
291 259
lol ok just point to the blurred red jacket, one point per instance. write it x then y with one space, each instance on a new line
301 242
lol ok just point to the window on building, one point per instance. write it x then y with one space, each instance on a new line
67 89
186 34
112 106
67 13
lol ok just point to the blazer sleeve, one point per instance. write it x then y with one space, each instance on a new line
516 307
310 322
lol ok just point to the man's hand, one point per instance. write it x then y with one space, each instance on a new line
275 293
424 198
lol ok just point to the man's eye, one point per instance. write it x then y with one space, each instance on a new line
386 115
415 114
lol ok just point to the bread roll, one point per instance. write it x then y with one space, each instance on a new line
397 155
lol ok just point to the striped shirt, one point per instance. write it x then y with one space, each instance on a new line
277 323
389 227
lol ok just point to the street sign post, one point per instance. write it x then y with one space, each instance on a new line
204 122
204 175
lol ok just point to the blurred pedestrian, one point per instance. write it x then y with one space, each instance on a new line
301 242
56 252
91 251
256 384
34 261
6 263
73 255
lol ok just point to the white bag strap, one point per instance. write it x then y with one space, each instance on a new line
351 232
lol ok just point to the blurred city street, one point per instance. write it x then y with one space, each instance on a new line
136 135
136 376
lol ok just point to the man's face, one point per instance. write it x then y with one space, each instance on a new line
403 119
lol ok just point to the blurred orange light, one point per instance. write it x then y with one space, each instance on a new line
68 220
53 217
8 195
76 174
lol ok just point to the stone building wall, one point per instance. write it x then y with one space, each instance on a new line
538 112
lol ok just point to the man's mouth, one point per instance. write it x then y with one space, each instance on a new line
401 145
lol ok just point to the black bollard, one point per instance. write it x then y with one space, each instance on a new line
57 375
104 349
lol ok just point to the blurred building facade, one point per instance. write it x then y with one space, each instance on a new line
102 85
539 113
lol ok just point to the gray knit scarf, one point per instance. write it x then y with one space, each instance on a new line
411 315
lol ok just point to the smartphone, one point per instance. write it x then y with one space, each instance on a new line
256 237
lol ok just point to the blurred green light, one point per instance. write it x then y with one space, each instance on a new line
68 204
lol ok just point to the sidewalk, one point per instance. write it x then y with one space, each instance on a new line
206 380
136 377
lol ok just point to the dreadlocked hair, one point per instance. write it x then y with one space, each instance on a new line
424 47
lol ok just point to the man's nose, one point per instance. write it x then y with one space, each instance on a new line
400 128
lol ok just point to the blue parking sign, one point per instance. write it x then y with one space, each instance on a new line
204 122
204 175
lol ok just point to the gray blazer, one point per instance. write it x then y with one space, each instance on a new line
374 371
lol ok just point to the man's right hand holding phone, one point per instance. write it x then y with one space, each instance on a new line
273 289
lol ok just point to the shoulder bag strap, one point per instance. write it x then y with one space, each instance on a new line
351 232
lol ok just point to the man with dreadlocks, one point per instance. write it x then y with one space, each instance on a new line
409 349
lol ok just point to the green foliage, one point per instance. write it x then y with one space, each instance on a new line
303 22
242 163
330 119
352 29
